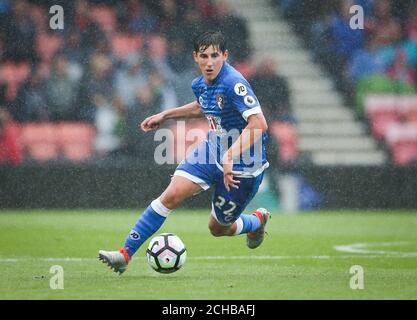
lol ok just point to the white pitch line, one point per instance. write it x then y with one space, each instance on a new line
360 250
364 248
258 257
322 257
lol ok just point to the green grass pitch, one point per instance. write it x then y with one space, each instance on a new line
304 256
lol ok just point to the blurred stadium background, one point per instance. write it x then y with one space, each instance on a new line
341 103
342 111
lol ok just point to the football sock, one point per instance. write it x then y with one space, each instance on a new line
149 222
247 223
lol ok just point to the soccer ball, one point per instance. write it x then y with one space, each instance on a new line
166 253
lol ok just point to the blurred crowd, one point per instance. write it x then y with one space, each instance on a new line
113 64
380 57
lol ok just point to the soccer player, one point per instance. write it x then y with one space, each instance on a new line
233 164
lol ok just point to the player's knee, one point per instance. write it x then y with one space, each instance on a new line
171 199
216 233
215 230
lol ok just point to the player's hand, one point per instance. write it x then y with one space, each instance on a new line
228 175
152 122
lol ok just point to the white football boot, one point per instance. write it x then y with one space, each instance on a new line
255 238
116 260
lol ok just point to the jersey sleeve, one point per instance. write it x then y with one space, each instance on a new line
243 98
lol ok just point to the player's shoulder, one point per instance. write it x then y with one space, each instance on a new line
232 75
235 81
197 82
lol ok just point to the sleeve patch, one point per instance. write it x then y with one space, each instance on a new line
249 101
240 89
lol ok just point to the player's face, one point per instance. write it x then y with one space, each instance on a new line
210 62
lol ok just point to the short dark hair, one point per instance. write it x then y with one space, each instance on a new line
210 38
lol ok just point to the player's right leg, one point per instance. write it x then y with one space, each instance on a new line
150 221
227 218
256 237
253 225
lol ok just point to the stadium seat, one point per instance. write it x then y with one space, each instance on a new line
75 140
39 141
186 136
286 135
382 111
402 141
16 129
408 107
379 84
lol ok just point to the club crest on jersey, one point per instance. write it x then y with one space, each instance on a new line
249 101
200 100
220 101
240 89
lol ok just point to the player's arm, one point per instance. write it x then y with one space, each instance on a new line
251 133
188 111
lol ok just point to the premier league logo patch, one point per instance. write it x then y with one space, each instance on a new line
220 101
249 101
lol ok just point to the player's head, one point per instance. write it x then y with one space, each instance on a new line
210 53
